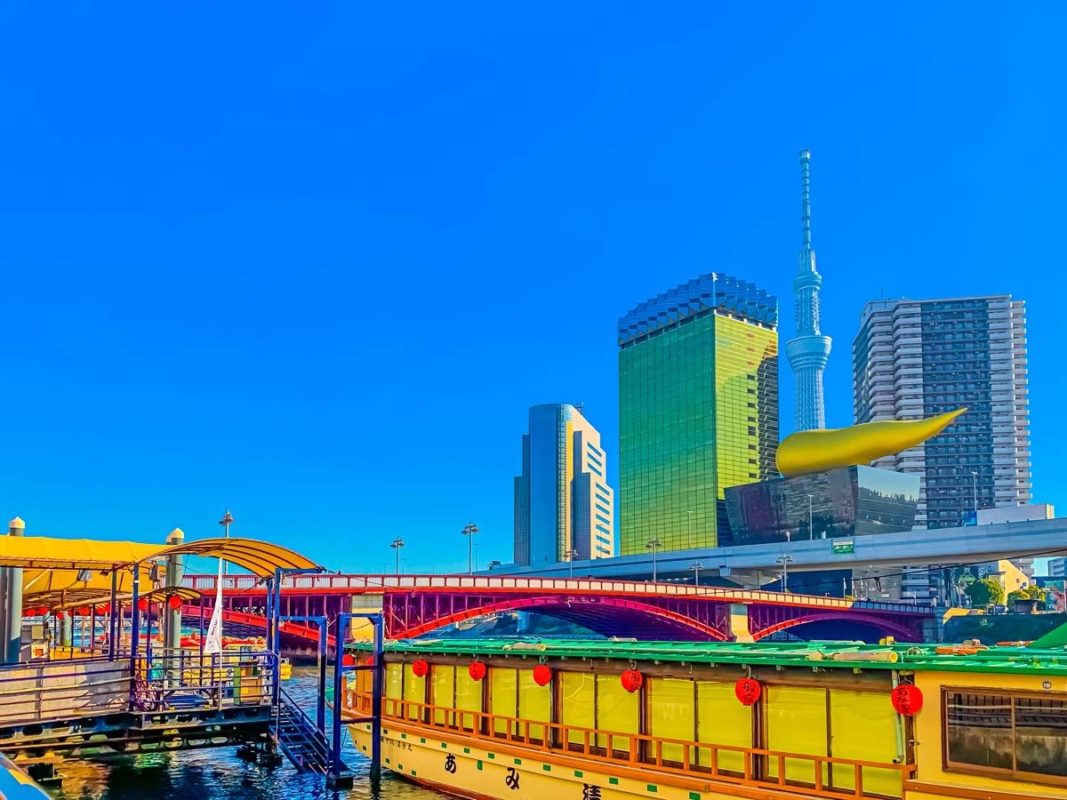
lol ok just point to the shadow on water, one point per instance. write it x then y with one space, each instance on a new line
217 774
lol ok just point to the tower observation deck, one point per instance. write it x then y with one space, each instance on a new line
809 350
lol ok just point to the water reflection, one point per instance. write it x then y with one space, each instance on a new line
218 774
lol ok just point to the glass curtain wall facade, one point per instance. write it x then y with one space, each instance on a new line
564 507
698 409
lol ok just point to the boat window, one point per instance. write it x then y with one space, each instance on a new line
724 721
468 698
863 726
535 703
444 694
414 694
795 720
671 714
617 710
394 683
577 692
1022 735
503 699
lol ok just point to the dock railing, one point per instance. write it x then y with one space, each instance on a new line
800 773
75 688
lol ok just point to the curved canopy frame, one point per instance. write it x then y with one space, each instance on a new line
262 559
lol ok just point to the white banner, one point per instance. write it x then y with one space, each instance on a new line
213 642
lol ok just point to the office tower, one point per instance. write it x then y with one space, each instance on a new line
1057 568
914 359
698 409
809 350
564 508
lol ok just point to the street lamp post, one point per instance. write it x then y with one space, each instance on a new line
811 530
696 567
469 530
784 561
396 544
571 555
225 522
653 546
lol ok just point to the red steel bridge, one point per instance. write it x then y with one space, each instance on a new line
418 604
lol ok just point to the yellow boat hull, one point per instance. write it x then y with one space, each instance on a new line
481 770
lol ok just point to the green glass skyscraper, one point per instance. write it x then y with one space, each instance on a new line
698 409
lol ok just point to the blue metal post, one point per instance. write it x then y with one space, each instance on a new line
135 620
269 611
320 708
111 617
276 642
338 694
376 697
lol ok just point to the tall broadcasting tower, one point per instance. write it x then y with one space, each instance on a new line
809 350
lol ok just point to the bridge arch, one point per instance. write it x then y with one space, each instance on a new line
609 616
879 625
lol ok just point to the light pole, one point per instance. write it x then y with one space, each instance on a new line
811 530
469 530
396 544
225 522
974 494
784 561
696 567
571 555
653 545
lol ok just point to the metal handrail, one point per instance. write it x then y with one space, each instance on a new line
86 687
641 750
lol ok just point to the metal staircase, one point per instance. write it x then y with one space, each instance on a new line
298 737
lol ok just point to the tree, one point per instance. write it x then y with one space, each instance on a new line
986 592
1034 592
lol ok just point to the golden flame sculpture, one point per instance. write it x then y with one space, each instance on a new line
813 451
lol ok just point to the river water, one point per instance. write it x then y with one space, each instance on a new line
214 774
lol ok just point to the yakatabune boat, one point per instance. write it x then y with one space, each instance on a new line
609 719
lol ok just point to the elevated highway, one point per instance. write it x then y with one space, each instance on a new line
870 553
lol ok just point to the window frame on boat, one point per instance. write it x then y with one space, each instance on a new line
953 766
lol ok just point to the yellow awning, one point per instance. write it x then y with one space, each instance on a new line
45 552
259 558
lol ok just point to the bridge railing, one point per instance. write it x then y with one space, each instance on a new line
371 584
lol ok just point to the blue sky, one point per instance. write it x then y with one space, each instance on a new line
313 263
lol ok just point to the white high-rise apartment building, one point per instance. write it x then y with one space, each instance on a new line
917 358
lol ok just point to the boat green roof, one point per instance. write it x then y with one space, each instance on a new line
824 655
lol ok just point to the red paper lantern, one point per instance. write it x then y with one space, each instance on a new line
748 690
348 660
907 699
477 670
60 615
30 612
142 605
83 611
542 674
174 602
42 611
103 608
631 680
419 668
